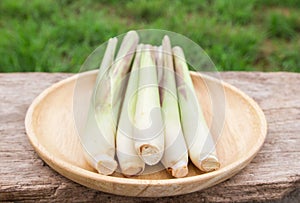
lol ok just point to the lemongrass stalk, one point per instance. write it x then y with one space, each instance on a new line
98 145
200 142
148 131
109 102
175 158
99 135
129 161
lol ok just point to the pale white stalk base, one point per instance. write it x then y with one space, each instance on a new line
150 154
131 170
179 170
208 163
105 164
129 161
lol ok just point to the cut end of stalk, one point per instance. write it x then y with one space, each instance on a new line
133 171
209 163
106 165
179 170
150 154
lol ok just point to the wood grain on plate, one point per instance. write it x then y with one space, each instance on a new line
272 175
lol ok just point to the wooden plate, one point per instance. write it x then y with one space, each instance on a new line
51 130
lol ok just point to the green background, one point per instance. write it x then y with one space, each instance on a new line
57 36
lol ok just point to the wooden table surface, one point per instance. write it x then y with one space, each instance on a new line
273 175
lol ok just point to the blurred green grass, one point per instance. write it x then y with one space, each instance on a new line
57 36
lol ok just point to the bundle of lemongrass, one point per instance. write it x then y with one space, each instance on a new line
145 118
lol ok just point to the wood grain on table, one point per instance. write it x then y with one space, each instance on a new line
273 175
